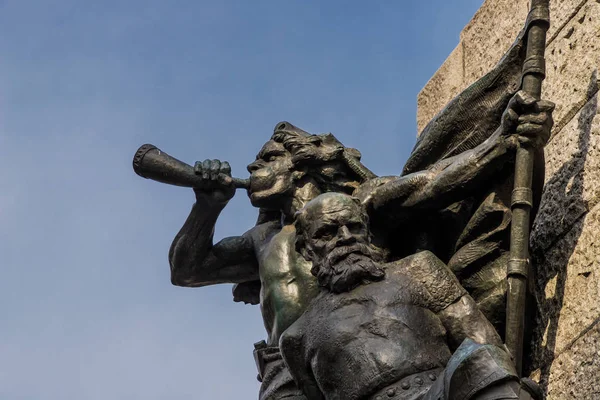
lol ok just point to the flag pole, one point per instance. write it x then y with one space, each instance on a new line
538 23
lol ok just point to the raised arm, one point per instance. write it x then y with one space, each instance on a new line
455 178
194 259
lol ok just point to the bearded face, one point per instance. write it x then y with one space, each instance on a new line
335 235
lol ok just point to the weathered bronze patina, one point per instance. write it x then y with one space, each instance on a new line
438 247
402 329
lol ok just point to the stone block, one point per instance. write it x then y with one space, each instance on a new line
567 284
572 62
441 88
489 34
572 182
574 374
561 12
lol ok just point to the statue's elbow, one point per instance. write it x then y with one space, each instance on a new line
176 276
178 264
176 279
179 271
185 280
184 274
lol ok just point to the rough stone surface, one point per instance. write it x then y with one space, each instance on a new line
487 37
485 43
572 62
574 374
442 87
572 167
561 12
567 289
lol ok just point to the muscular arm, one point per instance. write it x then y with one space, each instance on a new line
445 182
463 319
525 121
196 261
455 308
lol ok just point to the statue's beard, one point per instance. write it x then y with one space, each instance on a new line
347 267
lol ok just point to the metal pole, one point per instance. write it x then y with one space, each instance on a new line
522 196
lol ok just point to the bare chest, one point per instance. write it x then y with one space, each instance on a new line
287 283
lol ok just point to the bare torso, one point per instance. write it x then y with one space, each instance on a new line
287 285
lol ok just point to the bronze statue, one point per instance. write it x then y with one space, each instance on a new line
387 330
291 169
452 202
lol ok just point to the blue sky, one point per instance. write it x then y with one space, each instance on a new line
88 311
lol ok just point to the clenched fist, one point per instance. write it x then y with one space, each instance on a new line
529 119
217 185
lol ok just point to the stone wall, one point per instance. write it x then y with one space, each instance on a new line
566 234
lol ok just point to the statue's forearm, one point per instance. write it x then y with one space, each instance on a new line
194 239
460 176
447 181
463 319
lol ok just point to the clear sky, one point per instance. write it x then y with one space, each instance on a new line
87 309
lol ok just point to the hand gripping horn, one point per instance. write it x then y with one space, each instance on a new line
152 163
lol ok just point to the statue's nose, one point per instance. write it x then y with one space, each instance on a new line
286 127
253 166
345 236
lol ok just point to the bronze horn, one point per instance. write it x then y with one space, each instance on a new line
152 163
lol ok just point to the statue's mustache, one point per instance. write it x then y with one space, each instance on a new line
341 252
347 266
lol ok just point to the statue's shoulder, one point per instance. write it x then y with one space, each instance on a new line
423 262
366 189
262 232
431 280
421 266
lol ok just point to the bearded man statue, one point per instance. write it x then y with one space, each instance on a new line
398 330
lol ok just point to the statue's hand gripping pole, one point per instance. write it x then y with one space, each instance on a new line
538 23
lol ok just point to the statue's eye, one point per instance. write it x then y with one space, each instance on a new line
271 158
355 227
326 233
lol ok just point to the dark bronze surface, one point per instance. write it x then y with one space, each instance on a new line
406 292
152 163
392 325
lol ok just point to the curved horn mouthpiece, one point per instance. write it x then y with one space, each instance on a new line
152 163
